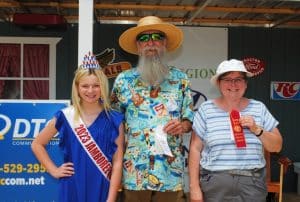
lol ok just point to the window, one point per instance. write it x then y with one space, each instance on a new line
27 67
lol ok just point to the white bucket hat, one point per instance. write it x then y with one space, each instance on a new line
232 65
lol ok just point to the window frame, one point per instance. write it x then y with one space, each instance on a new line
52 42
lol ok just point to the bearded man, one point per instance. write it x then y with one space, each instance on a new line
157 103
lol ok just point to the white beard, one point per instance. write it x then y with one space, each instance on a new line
153 69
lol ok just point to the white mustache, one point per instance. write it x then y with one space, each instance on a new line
152 48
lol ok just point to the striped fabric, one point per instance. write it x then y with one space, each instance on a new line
212 125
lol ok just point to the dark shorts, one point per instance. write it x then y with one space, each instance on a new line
234 186
153 196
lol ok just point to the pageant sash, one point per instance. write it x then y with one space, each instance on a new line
237 129
88 143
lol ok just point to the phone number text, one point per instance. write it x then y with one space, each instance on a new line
20 168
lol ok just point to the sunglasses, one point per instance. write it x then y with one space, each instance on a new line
153 36
237 81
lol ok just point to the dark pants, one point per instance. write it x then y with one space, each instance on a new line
228 187
153 196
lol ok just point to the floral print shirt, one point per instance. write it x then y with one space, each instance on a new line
147 108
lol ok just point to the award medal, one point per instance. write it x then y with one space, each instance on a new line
237 129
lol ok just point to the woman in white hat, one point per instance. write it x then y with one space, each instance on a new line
157 103
229 136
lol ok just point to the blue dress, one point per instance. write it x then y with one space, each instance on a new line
87 184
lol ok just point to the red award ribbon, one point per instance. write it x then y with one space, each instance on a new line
237 129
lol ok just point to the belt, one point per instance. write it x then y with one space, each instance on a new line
248 173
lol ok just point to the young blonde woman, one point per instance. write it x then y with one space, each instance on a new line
91 138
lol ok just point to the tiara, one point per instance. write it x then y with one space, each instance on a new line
90 62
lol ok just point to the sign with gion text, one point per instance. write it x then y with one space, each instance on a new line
22 177
283 90
202 50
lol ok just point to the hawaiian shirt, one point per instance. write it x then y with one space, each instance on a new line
147 108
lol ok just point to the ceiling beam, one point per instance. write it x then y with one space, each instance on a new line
198 11
196 21
283 20
154 7
286 21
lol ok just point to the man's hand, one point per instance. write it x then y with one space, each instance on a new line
177 127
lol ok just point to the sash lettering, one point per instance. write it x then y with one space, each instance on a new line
89 144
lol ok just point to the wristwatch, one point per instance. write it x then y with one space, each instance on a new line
260 133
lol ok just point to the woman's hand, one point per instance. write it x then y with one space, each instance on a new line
249 122
196 194
271 140
65 170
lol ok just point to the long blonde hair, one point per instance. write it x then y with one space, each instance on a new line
104 87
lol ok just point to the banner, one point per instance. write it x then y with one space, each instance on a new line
202 50
22 177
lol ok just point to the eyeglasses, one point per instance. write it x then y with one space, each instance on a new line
153 36
236 81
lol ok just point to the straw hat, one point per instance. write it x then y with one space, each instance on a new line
128 39
232 65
